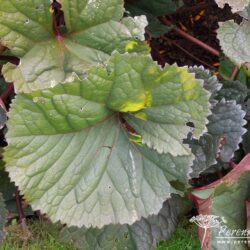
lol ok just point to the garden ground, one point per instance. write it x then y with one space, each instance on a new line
44 237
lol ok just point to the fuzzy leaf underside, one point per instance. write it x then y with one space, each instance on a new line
204 149
211 82
225 127
225 131
72 156
218 167
233 90
143 234
3 218
47 59
236 6
235 41
226 124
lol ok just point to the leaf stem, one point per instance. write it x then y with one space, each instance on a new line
22 219
204 237
3 105
234 73
188 53
157 53
7 92
55 5
191 38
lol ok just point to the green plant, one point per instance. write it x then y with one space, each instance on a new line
43 235
100 137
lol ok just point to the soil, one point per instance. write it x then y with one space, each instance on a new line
201 20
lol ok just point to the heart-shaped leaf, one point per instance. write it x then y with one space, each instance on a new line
74 155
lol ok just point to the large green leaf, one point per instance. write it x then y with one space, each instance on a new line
142 234
225 199
3 218
111 181
235 41
73 157
94 32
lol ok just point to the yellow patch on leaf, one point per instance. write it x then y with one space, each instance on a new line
130 45
144 101
148 99
136 138
152 70
132 106
141 116
188 84
191 95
